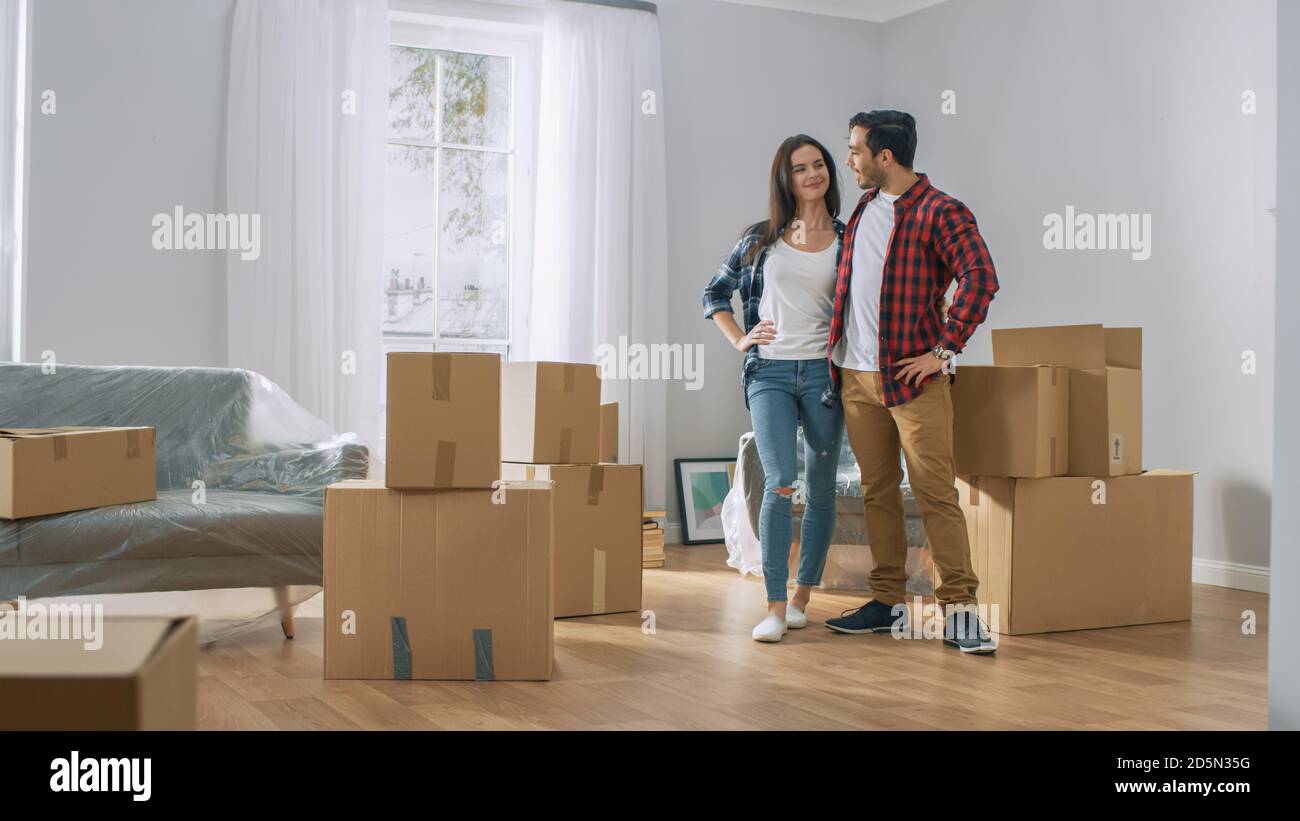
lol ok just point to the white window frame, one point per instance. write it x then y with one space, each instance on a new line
522 43
16 21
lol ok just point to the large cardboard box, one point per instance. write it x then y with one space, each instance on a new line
444 420
1011 420
447 584
550 413
1074 553
597 535
143 676
54 470
608 432
1105 389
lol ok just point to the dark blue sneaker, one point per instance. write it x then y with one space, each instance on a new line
967 632
872 617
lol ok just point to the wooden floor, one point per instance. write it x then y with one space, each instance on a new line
700 670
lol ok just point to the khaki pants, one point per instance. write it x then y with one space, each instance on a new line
923 429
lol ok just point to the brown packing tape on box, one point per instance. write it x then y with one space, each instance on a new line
444 469
1053 439
598 581
530 473
570 377
444 466
133 444
595 484
566 445
60 447
441 364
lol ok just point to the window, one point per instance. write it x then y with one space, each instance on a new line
457 221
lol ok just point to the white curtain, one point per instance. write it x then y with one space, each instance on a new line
12 77
308 107
600 257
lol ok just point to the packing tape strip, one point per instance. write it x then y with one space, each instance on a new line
60 447
570 376
595 484
133 444
1053 377
483 670
566 445
444 469
1053 469
598 582
442 376
401 649
975 491
530 473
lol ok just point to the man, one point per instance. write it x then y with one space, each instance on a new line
906 242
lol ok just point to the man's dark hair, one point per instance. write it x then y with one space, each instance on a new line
895 130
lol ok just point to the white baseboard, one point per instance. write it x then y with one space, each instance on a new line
1230 574
1204 571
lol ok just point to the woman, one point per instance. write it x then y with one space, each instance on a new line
785 269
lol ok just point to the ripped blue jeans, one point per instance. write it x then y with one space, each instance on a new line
782 394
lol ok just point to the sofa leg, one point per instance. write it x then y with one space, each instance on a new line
286 611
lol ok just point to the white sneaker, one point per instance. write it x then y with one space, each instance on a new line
795 618
771 628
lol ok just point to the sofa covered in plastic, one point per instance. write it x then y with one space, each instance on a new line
241 475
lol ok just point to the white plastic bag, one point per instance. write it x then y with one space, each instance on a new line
743 549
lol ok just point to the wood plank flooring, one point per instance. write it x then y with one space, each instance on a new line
700 670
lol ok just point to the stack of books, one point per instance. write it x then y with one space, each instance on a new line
652 538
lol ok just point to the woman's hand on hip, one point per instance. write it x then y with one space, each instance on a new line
761 334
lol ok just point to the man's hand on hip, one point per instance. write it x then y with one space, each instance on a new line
915 369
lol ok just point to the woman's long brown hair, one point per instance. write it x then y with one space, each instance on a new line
781 200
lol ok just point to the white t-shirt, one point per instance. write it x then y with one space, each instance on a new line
798 294
859 348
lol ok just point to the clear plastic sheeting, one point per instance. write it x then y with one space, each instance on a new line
241 475
740 520
848 560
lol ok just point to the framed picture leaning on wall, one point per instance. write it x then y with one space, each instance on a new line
702 485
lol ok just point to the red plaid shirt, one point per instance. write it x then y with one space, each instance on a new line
935 241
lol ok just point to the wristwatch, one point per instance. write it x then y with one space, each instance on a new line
942 353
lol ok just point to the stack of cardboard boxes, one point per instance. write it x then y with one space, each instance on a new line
1067 530
551 429
495 518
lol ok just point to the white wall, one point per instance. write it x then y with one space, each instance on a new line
140 91
1116 106
737 81
1284 605
1108 106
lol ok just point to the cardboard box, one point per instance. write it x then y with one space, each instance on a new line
597 535
439 584
444 420
550 413
609 432
54 470
1053 558
144 676
1011 420
1105 389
